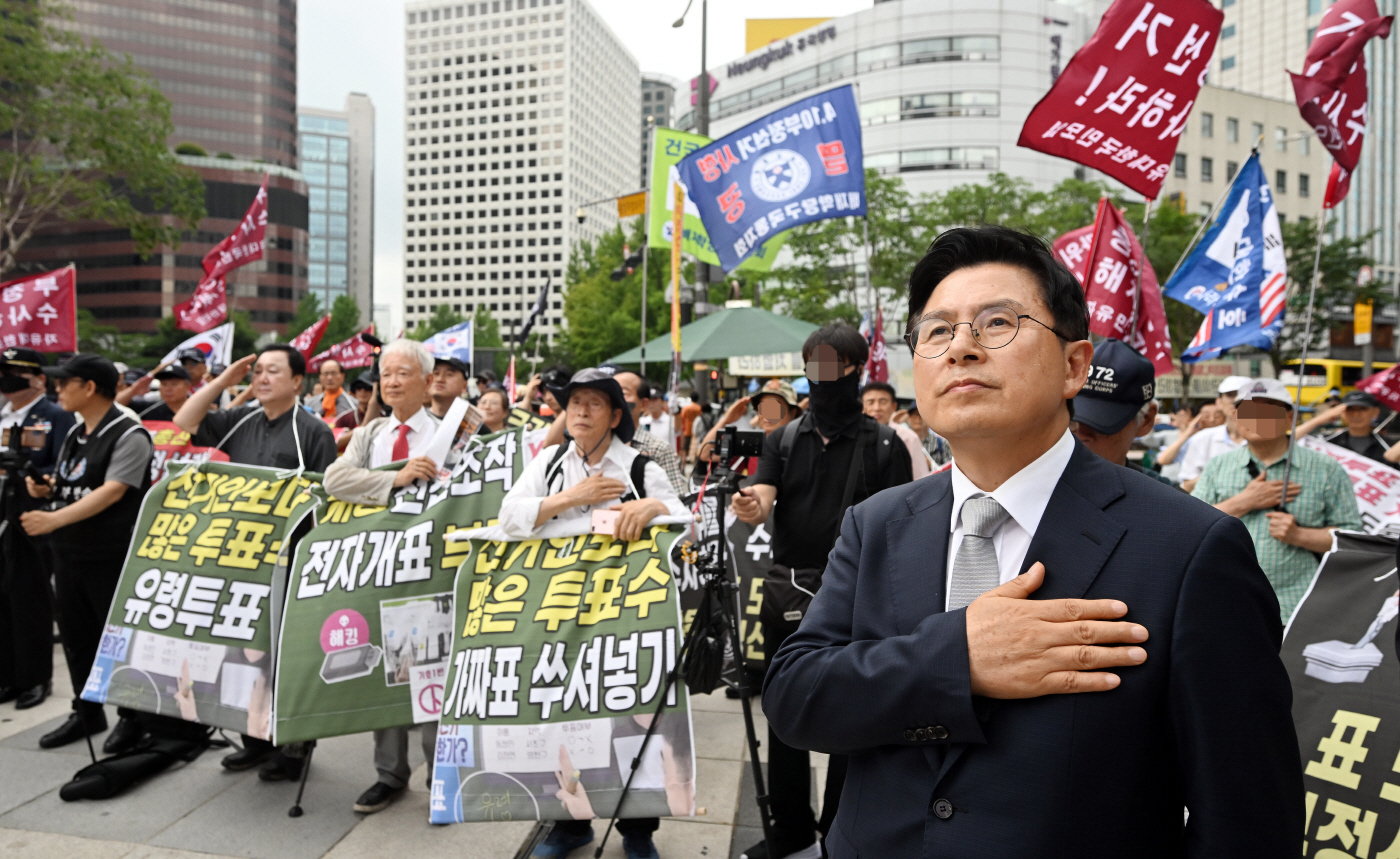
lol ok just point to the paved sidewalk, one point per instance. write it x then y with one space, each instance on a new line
199 810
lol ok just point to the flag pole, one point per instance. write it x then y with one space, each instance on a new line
1137 284
646 252
1303 356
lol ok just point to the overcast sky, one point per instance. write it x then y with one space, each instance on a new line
349 46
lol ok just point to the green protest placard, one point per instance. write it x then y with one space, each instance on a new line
369 598
190 630
668 148
559 658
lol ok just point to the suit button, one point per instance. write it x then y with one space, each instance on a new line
909 735
921 735
942 809
939 732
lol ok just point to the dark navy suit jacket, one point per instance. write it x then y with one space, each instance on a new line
879 671
45 411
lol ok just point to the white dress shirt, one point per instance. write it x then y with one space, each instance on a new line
522 504
1203 447
12 417
1024 497
421 430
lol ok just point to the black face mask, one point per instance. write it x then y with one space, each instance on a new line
836 404
12 384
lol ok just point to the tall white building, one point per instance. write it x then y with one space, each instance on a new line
519 114
944 85
336 149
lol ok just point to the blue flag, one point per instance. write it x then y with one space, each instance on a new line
799 164
1237 275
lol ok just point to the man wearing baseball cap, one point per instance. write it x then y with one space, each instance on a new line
449 383
1358 410
1115 405
1208 444
1247 483
175 387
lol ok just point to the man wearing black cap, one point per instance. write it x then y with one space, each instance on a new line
1359 411
557 495
449 383
175 386
33 427
94 494
196 363
1115 406
484 379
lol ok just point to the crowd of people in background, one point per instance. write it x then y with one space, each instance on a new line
616 442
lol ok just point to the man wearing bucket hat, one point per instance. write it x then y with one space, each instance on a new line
1115 405
1289 534
559 492
1210 443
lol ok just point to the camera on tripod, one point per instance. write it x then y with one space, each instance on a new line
731 443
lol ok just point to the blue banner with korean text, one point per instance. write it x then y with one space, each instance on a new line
799 164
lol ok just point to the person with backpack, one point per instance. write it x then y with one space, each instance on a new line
559 493
819 466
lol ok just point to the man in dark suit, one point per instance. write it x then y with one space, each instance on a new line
1038 652
33 427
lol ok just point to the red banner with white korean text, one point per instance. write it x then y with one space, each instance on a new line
354 352
877 366
207 307
306 341
1123 100
1107 268
1384 386
243 245
40 311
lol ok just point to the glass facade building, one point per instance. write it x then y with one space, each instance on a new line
325 162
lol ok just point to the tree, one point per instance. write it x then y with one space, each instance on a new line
443 318
345 320
1338 267
84 138
604 315
167 337
308 314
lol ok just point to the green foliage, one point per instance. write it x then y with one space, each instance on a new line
188 148
1341 260
486 331
85 138
308 314
442 319
604 316
345 321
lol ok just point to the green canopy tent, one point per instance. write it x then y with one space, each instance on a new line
729 333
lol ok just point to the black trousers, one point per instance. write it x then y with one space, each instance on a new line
83 590
790 775
625 827
26 611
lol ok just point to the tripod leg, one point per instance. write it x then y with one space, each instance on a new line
295 810
760 790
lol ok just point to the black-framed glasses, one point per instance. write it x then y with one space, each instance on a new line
993 328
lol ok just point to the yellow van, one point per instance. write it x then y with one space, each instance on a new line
1324 374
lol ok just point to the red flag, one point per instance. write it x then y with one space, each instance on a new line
40 311
1105 256
354 352
207 307
244 244
1123 100
1384 386
306 341
510 380
877 366
1331 91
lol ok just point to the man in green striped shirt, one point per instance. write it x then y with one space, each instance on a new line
1248 483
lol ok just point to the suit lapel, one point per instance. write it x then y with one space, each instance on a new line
1076 536
918 553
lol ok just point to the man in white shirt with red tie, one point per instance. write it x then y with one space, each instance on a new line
405 369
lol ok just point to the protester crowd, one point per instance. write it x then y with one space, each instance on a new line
616 443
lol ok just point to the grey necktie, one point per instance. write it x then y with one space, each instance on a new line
975 570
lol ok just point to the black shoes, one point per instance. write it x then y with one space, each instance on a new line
9 693
281 768
74 729
247 757
377 798
32 697
124 737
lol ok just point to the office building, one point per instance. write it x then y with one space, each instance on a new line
944 85
658 111
337 160
132 292
520 113
229 69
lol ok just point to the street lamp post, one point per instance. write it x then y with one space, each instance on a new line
702 126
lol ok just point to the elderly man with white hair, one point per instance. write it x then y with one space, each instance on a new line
405 370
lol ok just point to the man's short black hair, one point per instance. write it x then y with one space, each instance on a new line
847 342
295 359
965 247
879 386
